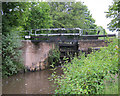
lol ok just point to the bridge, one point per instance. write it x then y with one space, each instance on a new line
53 37
36 47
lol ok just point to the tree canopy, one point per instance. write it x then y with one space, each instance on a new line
36 15
113 13
14 14
71 15
39 16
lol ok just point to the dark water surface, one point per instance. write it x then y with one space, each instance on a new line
30 83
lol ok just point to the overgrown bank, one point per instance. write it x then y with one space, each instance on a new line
11 53
87 75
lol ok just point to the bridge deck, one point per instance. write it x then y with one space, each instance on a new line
108 35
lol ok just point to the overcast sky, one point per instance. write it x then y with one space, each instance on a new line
97 9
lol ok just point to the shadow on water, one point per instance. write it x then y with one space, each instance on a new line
30 83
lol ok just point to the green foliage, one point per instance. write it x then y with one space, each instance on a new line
28 15
54 57
113 13
14 14
87 75
39 16
71 15
11 62
102 32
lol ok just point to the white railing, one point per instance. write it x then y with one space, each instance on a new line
55 29
81 32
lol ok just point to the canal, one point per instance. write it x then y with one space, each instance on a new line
30 83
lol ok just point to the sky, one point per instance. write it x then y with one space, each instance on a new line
97 9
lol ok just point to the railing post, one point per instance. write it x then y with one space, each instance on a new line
80 32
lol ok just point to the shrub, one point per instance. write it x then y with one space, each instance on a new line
11 55
54 57
87 75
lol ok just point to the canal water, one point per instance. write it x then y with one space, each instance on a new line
30 83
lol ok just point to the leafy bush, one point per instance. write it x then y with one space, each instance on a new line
11 55
87 75
54 57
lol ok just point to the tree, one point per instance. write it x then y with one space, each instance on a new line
113 13
14 14
39 16
71 15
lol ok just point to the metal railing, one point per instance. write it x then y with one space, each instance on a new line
79 32
62 32
37 32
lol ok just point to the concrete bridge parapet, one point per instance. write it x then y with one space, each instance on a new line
35 54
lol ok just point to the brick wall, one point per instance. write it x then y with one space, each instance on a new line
85 44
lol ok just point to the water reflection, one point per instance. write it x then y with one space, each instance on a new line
30 83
